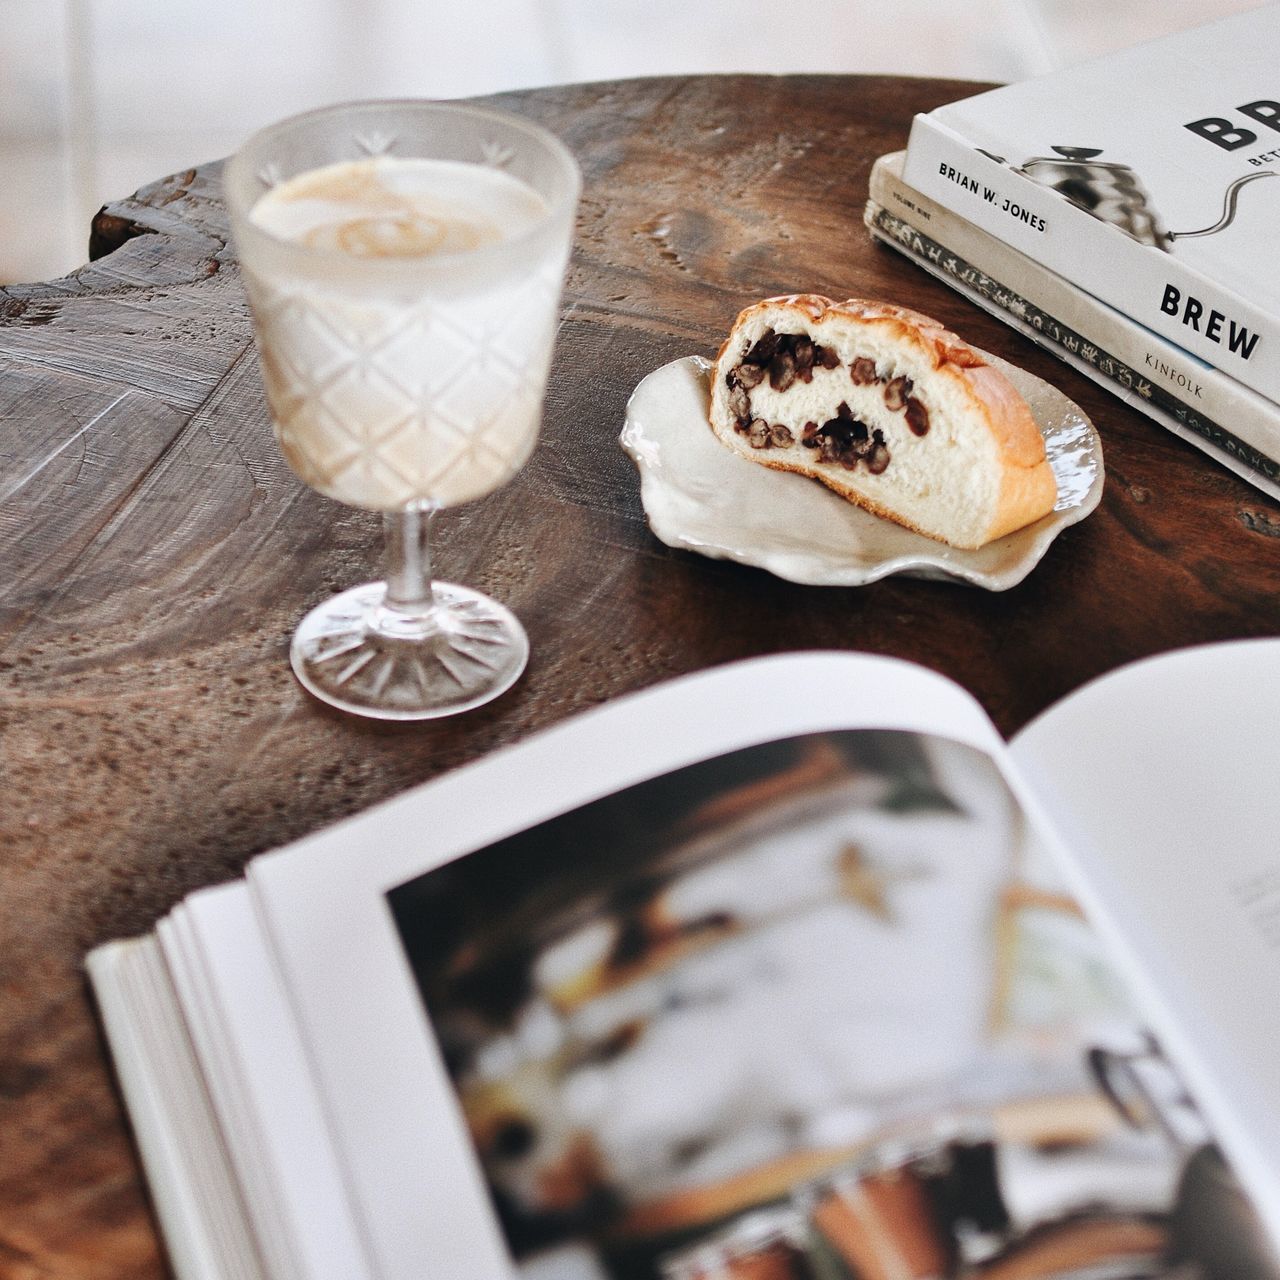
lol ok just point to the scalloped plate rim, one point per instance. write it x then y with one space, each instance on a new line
927 560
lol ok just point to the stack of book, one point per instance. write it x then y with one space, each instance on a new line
1120 213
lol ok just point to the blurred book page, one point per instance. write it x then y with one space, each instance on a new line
1161 781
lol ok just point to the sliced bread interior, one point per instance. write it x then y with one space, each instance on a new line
887 408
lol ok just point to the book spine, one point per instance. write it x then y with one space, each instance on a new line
1111 355
1154 287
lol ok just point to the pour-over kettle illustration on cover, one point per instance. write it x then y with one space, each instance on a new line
1113 193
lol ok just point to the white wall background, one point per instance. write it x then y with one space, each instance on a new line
99 97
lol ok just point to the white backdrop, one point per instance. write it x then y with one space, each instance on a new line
98 97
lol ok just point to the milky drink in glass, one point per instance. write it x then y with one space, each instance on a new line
404 261
387 389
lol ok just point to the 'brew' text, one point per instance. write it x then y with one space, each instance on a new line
1239 339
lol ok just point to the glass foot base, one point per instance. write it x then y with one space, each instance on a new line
349 653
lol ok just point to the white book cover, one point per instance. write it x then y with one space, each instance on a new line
1147 176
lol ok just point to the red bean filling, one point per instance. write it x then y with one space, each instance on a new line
785 358
847 441
863 371
917 417
788 358
897 391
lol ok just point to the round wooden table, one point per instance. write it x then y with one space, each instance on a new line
157 553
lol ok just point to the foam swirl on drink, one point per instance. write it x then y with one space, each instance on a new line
387 207
392 389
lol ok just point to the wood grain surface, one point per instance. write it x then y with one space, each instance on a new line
156 554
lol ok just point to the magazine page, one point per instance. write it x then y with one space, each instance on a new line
1160 778
194 1186
260 1083
414 1174
813 1008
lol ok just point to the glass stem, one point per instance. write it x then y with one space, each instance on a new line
408 535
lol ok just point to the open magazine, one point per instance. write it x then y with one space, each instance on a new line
789 970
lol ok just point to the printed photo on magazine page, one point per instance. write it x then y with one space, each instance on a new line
815 1009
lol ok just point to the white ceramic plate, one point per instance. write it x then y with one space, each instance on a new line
701 497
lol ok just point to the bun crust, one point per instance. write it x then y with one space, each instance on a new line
887 408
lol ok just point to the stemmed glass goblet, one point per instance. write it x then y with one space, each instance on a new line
404 263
